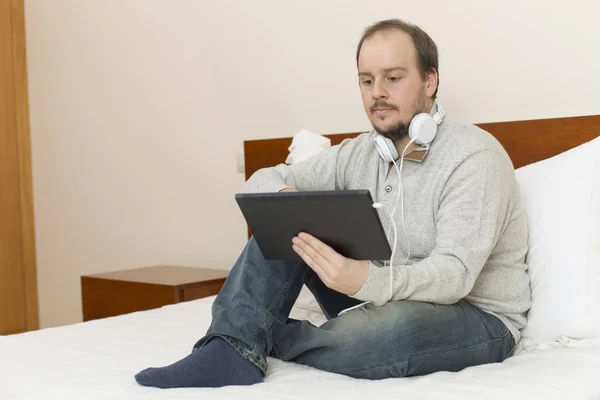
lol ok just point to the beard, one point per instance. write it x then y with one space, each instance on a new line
396 132
399 129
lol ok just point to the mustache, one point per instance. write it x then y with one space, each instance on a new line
382 104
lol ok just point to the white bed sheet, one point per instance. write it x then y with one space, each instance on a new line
97 360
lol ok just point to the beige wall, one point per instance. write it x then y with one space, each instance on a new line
139 108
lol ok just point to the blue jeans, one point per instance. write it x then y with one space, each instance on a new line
400 338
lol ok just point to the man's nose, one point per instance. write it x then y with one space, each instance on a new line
379 90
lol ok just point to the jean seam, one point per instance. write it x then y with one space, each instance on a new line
488 342
285 287
270 318
373 369
405 363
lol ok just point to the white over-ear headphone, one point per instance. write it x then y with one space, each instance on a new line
422 130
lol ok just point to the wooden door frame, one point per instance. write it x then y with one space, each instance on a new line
19 57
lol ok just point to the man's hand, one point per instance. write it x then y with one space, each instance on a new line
337 272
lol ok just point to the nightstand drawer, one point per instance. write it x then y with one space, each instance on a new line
122 292
107 298
205 289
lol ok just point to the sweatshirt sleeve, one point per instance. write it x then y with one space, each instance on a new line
323 171
472 210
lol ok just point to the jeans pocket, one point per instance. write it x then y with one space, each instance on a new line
495 328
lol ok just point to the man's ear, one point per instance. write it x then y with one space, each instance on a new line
431 82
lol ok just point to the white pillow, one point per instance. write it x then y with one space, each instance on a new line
306 301
306 144
306 307
562 198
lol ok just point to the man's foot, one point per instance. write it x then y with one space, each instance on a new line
214 365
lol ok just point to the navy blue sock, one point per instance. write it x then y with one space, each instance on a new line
215 364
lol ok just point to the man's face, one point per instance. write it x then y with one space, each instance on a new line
392 87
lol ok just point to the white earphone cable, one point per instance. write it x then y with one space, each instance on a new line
393 223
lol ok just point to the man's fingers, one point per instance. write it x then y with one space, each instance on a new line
313 253
324 250
310 262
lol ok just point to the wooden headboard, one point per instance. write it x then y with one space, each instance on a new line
525 141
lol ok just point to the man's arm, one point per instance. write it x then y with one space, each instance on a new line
323 171
472 213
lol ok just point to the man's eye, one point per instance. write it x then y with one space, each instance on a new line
394 78
367 82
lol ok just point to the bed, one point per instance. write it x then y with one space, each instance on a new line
97 359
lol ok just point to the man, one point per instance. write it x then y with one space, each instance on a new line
460 300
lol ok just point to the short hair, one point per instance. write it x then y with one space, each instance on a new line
427 52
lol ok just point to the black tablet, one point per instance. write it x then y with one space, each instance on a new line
343 219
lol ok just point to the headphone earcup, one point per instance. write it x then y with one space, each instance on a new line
386 148
422 129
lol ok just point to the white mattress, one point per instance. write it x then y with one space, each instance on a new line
97 360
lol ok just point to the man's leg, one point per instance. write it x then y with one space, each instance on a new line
401 338
257 294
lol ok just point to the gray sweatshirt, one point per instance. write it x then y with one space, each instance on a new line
463 214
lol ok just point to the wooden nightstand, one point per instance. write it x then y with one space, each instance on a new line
122 292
